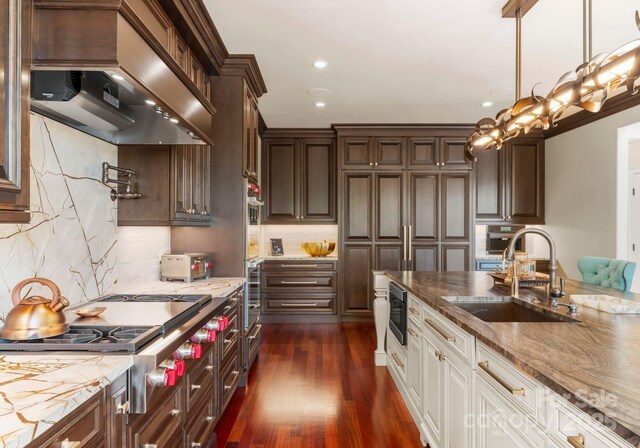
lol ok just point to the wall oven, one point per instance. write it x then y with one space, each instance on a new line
499 237
398 312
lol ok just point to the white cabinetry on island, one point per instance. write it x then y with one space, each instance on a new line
463 394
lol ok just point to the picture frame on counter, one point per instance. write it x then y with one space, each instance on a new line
276 247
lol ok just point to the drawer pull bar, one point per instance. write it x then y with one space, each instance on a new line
484 365
196 386
66 443
299 304
576 441
439 355
149 445
122 408
175 412
196 444
234 330
209 368
413 310
315 282
256 331
440 332
411 332
208 419
227 387
397 361
298 265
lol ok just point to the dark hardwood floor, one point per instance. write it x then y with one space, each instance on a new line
315 385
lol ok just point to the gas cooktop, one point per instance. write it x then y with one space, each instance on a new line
89 339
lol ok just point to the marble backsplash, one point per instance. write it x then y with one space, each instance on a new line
72 236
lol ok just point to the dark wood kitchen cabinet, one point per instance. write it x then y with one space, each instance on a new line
299 173
510 182
405 204
175 183
14 105
251 142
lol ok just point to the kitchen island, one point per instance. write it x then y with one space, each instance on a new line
594 363
40 390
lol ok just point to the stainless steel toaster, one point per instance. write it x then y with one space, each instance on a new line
185 267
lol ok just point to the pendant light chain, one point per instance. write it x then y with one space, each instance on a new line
519 54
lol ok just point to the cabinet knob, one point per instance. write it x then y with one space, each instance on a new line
195 445
376 163
209 418
149 445
370 163
509 217
175 412
196 386
122 408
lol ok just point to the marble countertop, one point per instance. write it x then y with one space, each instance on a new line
39 390
216 286
298 257
595 362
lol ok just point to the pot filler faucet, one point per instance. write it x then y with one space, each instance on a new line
554 293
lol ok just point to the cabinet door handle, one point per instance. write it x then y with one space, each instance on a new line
409 243
122 408
255 333
439 355
209 419
440 332
149 445
195 445
397 361
227 387
412 310
411 332
370 163
196 386
66 443
209 368
484 365
404 243
175 412
284 282
576 441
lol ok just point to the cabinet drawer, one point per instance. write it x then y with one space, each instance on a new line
497 424
522 391
397 357
457 340
230 377
159 426
200 379
255 338
200 429
229 346
294 265
300 281
285 304
414 310
84 425
567 421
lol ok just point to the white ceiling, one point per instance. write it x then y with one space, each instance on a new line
408 61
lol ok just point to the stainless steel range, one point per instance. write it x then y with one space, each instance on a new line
162 332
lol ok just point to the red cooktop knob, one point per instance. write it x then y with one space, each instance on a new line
170 377
225 319
179 366
221 324
194 267
211 335
196 351
209 265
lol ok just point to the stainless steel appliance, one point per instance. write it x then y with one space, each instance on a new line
163 332
186 267
253 205
499 237
398 312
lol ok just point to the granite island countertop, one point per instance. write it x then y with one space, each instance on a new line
330 257
39 389
595 361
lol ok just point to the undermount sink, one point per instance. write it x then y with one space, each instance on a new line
506 309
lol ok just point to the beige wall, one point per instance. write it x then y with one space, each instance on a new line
634 154
581 189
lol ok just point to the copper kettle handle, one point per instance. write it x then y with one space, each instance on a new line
57 296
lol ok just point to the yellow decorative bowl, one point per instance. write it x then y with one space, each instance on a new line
319 248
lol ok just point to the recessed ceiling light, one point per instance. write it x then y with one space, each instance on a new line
320 104
319 92
150 103
174 120
118 77
487 104
320 64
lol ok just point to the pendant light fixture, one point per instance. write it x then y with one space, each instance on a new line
587 88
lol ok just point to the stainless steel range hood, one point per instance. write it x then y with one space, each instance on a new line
108 108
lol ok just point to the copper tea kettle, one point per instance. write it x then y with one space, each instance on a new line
35 317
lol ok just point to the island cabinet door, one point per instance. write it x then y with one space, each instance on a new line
432 390
414 361
458 402
498 425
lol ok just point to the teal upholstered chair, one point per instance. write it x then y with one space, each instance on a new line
615 274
